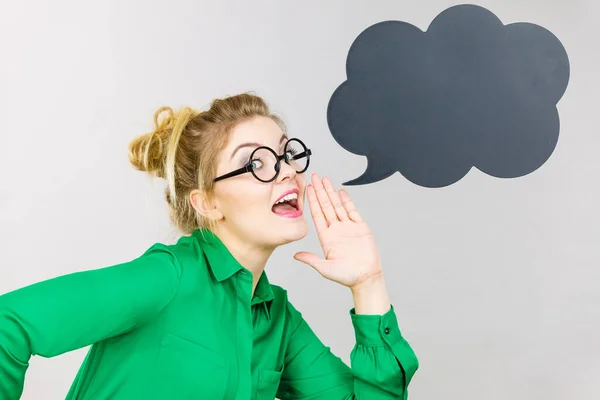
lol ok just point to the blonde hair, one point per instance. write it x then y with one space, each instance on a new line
184 149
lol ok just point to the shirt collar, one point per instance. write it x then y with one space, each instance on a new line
223 266
263 294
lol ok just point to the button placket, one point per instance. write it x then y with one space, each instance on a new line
245 332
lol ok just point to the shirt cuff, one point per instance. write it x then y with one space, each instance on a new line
376 330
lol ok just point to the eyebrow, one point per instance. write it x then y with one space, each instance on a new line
254 144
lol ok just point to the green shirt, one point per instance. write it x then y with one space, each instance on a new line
180 322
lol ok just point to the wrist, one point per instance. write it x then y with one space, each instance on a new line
372 283
371 296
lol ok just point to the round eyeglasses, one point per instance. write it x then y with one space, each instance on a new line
265 164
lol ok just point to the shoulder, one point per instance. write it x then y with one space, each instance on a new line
180 255
185 249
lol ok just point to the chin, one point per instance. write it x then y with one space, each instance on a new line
299 232
292 232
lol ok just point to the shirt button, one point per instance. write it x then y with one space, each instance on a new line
386 331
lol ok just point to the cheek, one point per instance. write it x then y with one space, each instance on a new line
244 200
301 180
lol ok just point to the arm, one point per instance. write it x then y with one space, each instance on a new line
76 310
382 362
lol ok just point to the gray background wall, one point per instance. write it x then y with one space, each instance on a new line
495 281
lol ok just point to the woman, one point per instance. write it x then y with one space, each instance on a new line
199 319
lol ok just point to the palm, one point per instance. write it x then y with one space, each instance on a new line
349 248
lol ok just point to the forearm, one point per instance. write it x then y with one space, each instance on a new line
371 296
15 353
382 361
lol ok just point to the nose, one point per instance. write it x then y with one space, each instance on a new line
286 171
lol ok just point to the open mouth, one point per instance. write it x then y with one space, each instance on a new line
286 205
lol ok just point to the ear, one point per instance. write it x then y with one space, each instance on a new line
203 204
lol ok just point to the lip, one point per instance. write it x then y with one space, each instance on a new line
286 193
291 214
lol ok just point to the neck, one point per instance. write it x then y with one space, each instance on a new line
250 255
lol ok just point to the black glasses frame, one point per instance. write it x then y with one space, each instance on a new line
249 166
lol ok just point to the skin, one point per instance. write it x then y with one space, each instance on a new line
242 209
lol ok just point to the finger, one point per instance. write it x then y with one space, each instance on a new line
349 206
334 197
315 209
312 260
323 199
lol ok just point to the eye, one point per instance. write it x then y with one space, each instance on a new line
291 153
256 163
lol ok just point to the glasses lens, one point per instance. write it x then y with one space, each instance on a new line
264 164
296 156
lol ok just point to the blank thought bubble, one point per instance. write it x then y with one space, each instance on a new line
468 92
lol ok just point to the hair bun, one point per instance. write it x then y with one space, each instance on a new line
148 151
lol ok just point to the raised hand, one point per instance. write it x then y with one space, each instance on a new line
351 256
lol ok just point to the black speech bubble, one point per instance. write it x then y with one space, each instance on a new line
469 91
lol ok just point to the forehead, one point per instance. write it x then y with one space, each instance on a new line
261 130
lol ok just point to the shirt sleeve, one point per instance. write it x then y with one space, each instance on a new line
72 311
382 362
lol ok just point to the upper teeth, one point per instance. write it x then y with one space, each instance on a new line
287 197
